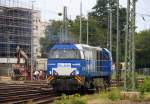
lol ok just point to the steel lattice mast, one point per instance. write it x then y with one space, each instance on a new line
130 43
110 26
118 71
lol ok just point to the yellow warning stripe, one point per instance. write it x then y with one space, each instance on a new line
50 78
78 79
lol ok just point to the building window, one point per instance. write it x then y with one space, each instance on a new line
36 27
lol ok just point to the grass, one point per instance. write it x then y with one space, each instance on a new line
105 97
71 99
114 94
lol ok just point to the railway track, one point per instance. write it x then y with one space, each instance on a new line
33 92
27 92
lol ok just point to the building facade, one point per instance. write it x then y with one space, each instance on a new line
38 32
15 30
18 24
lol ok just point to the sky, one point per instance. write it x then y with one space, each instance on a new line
51 8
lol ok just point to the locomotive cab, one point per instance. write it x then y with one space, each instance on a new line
65 66
64 61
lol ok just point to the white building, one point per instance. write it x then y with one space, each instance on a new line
41 64
38 32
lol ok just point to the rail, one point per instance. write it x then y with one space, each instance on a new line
30 91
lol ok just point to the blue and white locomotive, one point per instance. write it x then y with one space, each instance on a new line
77 66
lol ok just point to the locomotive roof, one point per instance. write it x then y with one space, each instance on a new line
81 46
73 47
64 46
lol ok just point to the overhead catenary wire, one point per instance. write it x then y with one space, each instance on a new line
143 14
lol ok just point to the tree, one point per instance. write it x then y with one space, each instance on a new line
101 15
96 34
52 33
142 41
98 26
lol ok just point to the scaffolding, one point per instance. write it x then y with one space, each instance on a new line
15 27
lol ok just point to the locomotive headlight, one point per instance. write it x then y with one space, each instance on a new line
77 72
73 73
50 72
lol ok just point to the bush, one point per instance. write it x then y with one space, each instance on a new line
129 81
145 87
114 94
73 99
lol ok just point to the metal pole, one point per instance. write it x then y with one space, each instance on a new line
110 30
8 52
117 49
66 25
126 45
80 37
108 26
32 57
63 35
87 30
130 43
133 46
65 31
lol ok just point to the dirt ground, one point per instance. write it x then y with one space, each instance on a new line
96 101
103 99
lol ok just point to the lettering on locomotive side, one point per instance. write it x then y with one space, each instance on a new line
76 64
51 64
64 65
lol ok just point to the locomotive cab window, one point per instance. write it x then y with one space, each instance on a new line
104 56
64 54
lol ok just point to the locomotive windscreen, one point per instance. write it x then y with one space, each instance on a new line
64 54
104 56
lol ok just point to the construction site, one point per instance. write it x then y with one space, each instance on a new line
15 31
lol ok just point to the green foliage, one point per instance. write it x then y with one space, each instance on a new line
72 99
74 29
45 44
97 36
144 88
101 15
129 81
51 32
54 28
98 27
114 94
143 49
